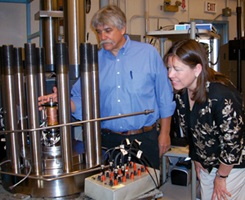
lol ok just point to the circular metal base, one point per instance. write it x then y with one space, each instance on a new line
43 189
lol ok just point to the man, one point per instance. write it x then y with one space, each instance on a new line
132 78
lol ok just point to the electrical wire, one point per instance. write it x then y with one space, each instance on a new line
215 18
157 184
131 148
13 186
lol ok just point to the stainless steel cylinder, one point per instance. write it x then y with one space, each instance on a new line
32 102
75 32
86 90
64 104
50 33
41 76
21 100
2 90
96 103
2 74
11 115
193 30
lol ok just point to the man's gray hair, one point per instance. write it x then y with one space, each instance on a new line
109 15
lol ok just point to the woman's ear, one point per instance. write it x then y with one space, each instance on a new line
198 69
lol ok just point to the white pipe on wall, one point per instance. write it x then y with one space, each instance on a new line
104 3
146 21
150 16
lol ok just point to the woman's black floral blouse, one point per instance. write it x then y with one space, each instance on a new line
215 129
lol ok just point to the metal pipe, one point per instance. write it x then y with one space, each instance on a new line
243 19
86 90
104 3
2 90
96 104
75 32
64 104
239 59
146 112
21 100
193 30
32 102
11 115
50 33
2 74
41 76
146 20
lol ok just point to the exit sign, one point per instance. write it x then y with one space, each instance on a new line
210 7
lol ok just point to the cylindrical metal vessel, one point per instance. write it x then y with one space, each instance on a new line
32 102
86 90
64 104
50 33
75 32
21 100
11 114
96 103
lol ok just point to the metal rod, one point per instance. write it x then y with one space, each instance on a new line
75 32
96 104
146 112
64 105
41 76
239 59
32 102
86 90
193 30
11 114
21 99
50 33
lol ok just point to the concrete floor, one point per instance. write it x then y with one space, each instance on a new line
170 192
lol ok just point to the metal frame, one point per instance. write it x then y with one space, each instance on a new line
28 20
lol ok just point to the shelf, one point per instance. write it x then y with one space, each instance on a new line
183 34
16 1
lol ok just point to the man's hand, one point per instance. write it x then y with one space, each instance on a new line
163 143
46 98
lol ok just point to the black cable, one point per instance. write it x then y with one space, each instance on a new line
156 184
131 151
150 164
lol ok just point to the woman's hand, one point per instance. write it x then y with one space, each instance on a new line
198 168
220 190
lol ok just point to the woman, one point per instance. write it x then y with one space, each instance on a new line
210 111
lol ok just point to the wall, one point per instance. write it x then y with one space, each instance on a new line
13 17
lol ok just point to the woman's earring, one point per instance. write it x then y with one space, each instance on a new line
196 75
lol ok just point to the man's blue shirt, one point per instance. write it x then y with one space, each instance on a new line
134 81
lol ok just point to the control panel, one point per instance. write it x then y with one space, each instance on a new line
125 182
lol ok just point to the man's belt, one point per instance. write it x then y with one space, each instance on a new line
133 132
